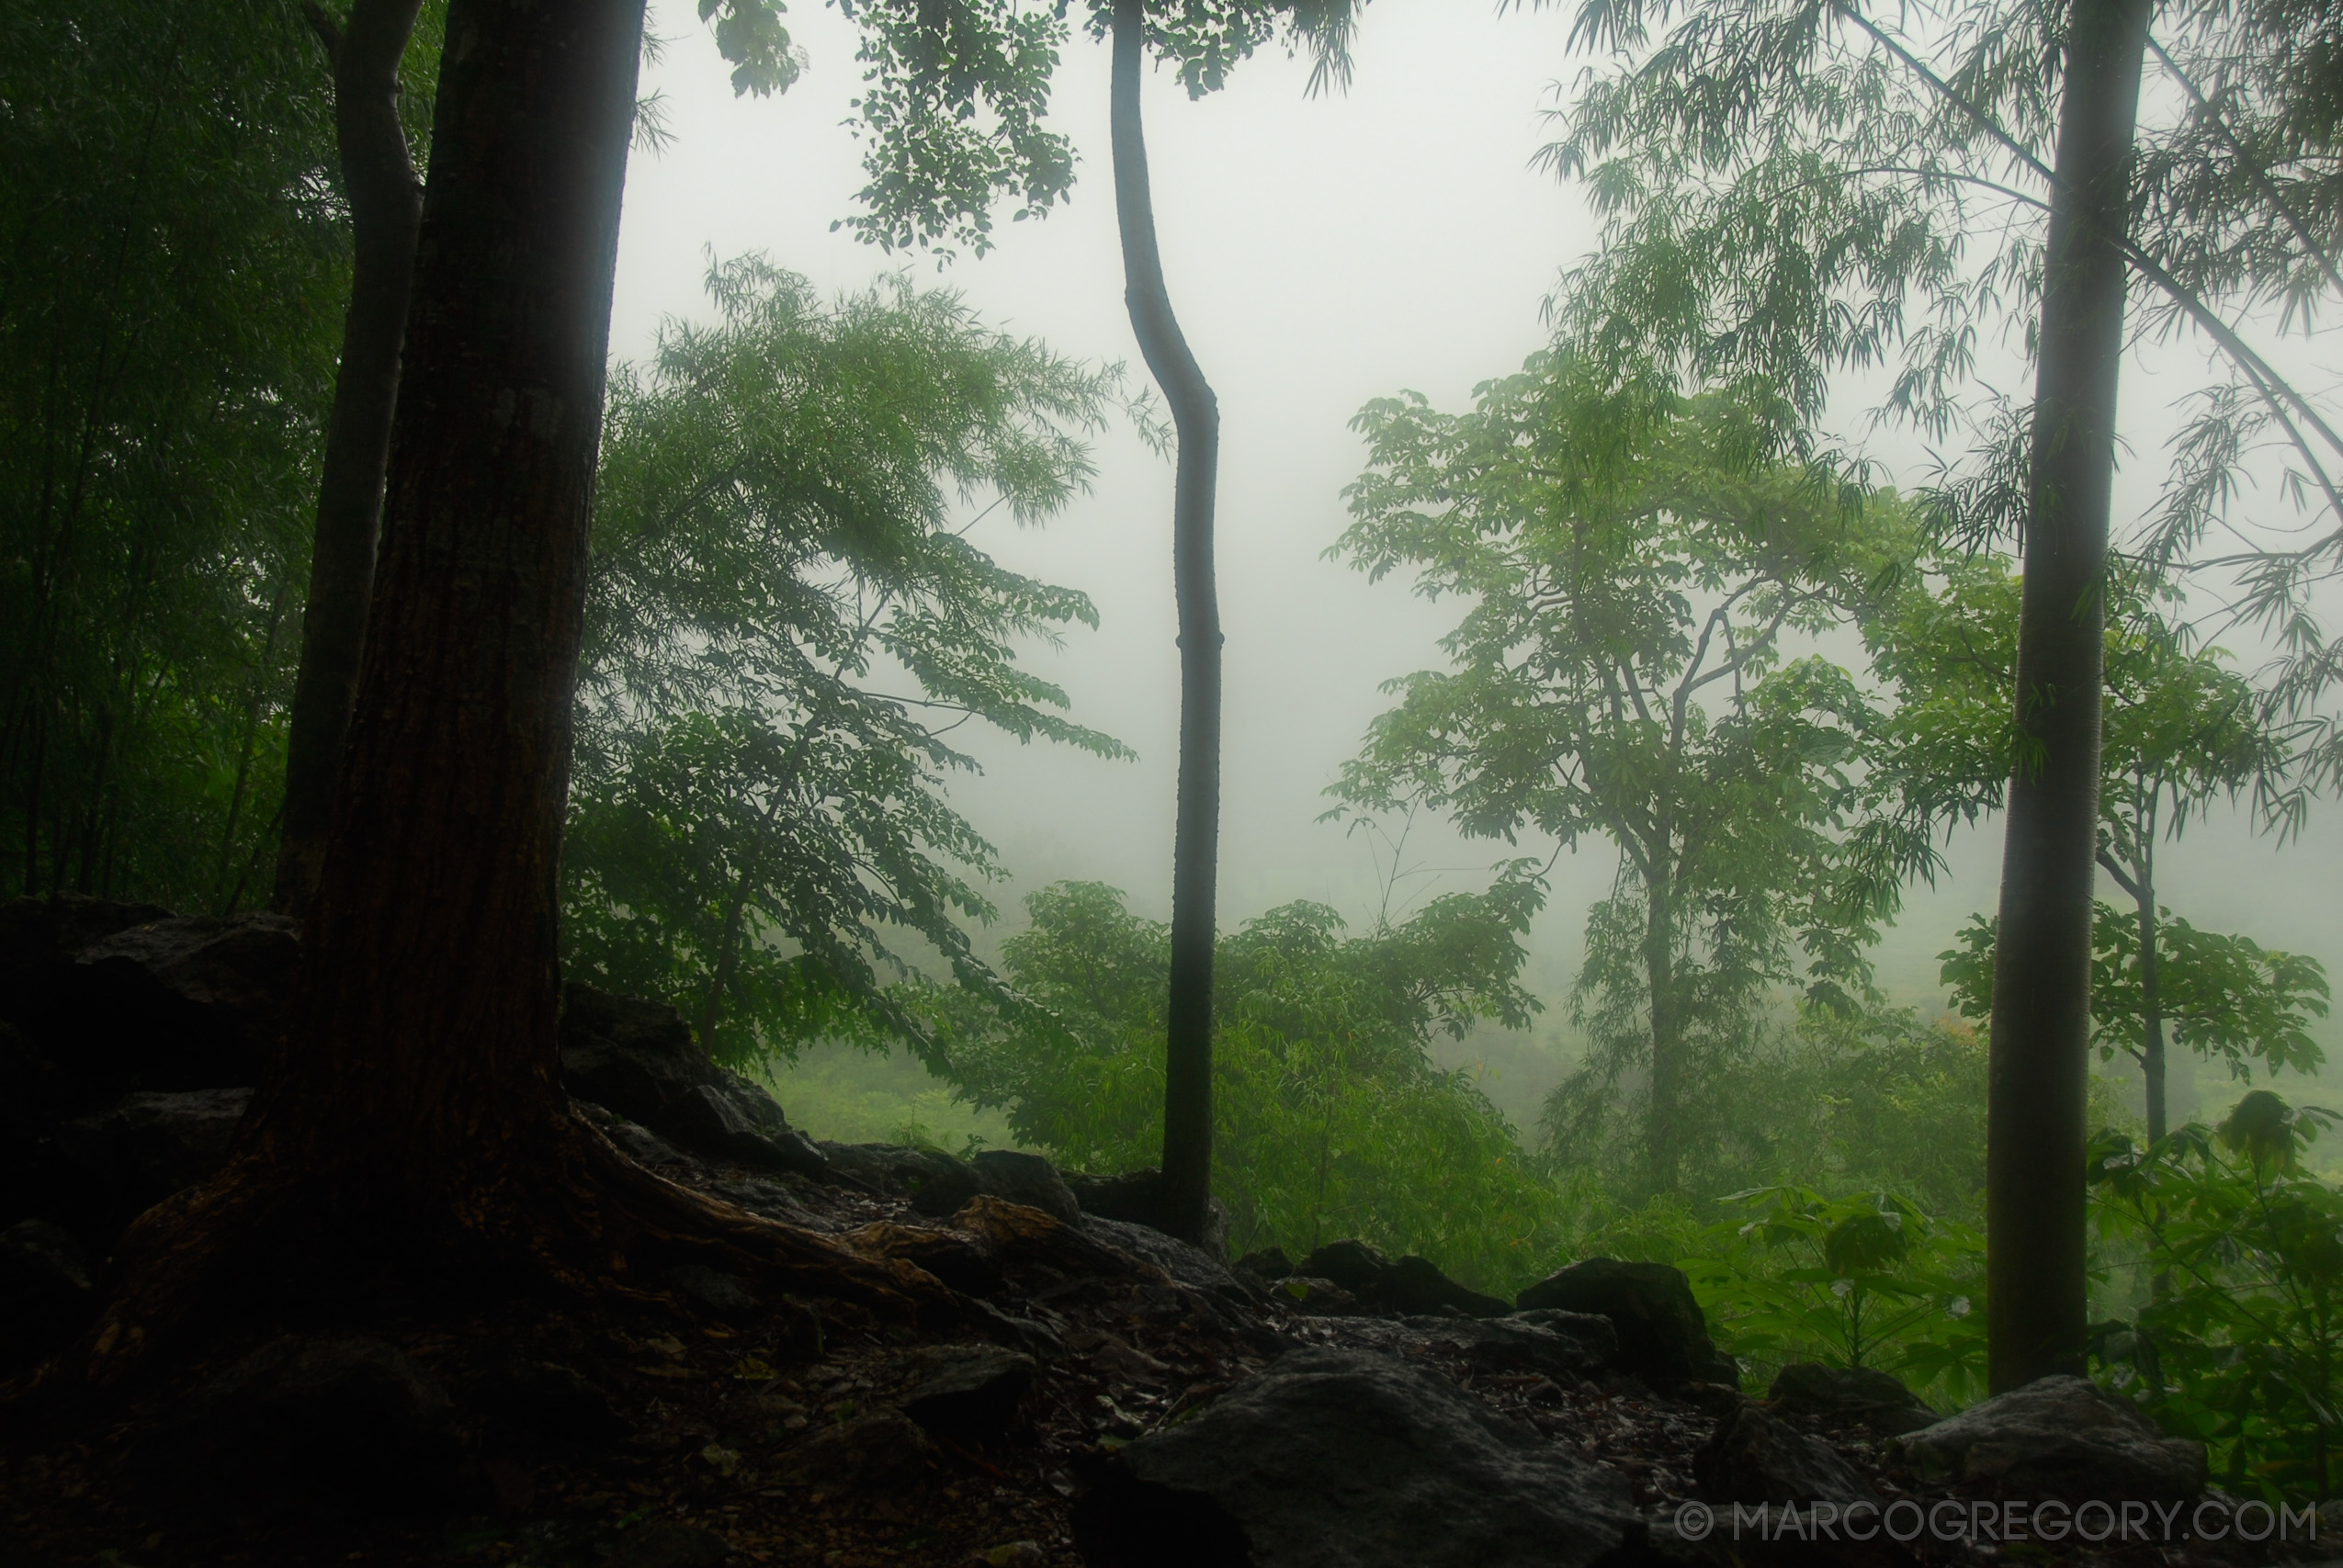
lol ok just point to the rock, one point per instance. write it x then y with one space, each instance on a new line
1191 1266
884 1449
334 1422
1662 1336
1411 1286
1351 1458
1353 1265
967 1391
667 1543
1876 1400
2058 1437
1135 1198
1023 1238
1268 1263
961 1260
768 1200
45 1291
1757 1458
1028 1179
639 1059
727 1295
1414 1285
551 1406
38 939
187 1003
132 1156
905 1172
1565 1347
1317 1298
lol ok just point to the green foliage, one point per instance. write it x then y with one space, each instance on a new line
1331 1119
2225 997
785 623
1631 577
2239 1343
1863 1280
175 261
749 33
951 113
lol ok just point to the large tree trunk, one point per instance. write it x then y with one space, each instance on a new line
2036 1305
416 1114
1195 415
386 206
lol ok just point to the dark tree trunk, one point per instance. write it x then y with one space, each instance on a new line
2152 1010
2036 1304
386 205
1195 415
415 1116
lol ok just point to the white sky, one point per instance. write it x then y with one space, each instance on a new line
1321 253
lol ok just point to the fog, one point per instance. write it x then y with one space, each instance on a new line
1321 253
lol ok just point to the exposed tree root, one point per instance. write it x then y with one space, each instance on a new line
577 1218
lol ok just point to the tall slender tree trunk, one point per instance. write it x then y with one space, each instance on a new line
414 1123
1660 1131
2152 1061
1195 415
2036 1304
386 206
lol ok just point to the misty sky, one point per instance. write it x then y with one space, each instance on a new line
1319 252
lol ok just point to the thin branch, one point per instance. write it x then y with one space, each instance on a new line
2270 191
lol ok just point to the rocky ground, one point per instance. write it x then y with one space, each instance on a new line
1107 1395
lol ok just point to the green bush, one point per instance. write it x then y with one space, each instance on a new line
2238 1341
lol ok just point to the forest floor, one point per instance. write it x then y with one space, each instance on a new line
790 1446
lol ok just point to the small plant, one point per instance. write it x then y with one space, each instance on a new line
1866 1281
2239 1343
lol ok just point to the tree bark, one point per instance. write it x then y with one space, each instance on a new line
386 206
414 1123
1195 416
1660 1111
2036 1303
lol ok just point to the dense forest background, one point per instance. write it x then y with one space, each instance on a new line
873 775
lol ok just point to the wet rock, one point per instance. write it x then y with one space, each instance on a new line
1026 1179
1191 1266
1027 1237
38 939
966 1391
768 1200
1135 1198
639 1059
127 1159
45 1292
1351 1458
1316 1298
885 1450
727 1295
1757 1458
1565 1347
1662 1336
1409 1287
667 1543
902 1172
331 1422
1265 1264
2058 1437
550 1405
1862 1395
961 1260
185 1003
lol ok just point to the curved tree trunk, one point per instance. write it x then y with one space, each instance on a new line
386 206
1195 415
416 1119
2036 1303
